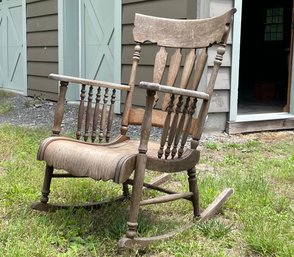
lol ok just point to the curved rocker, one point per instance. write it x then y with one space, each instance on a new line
48 207
209 212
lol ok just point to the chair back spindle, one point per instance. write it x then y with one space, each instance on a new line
174 67
110 115
81 111
95 118
96 115
88 114
199 68
159 67
103 115
166 126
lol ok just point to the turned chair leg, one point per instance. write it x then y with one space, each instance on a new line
46 184
193 187
136 196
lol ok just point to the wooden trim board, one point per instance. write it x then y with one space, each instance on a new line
258 126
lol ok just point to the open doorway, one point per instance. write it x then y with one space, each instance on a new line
264 56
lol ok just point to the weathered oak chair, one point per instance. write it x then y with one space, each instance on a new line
188 42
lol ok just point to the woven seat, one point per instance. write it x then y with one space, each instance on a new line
173 102
100 162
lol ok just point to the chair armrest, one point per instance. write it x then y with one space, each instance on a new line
173 90
96 83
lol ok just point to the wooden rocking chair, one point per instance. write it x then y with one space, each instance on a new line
182 123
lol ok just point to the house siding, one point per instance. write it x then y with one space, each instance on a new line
176 9
42 47
220 104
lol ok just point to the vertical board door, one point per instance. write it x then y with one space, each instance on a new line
100 41
12 75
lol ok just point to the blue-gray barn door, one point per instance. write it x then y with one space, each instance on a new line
12 75
100 40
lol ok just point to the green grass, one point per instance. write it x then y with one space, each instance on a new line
258 220
6 101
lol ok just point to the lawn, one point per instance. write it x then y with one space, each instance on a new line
258 220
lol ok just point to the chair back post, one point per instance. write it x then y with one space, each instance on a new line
129 97
59 111
210 87
147 122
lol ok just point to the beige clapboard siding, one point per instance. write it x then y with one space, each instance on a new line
43 54
42 38
41 68
42 47
35 81
176 9
41 8
43 23
216 121
223 80
46 95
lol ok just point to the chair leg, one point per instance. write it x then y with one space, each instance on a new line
193 187
136 196
131 241
46 184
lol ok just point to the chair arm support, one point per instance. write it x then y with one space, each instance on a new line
173 90
96 83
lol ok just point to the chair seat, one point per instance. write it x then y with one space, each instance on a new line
100 162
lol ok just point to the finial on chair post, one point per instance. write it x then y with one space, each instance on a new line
129 98
59 109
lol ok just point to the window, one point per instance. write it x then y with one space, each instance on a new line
273 29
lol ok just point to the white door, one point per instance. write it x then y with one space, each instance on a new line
12 60
100 40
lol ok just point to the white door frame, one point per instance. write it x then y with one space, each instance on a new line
236 47
24 53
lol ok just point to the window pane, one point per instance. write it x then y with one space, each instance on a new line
273 36
273 27
268 28
279 36
269 19
276 19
